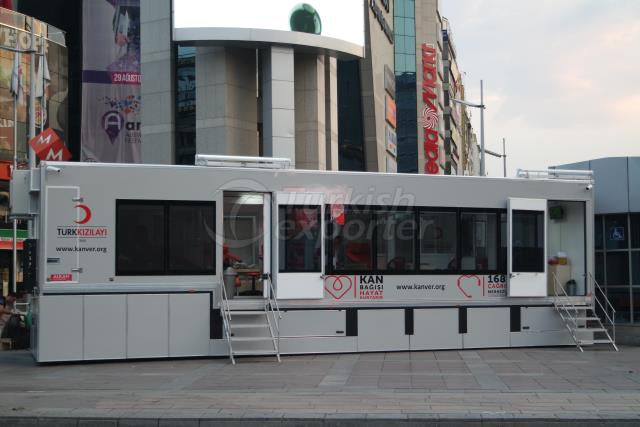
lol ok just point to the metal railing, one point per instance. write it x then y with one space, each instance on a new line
604 307
273 303
567 307
226 319
566 174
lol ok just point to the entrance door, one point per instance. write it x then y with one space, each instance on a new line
298 245
65 215
527 247
247 239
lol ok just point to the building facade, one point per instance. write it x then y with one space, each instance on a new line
320 102
432 134
617 231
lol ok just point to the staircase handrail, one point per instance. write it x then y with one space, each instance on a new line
273 302
605 307
226 317
556 285
568 313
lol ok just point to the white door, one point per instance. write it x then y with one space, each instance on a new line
66 216
527 247
266 245
298 246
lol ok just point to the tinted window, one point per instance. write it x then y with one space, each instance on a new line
503 243
600 268
635 231
479 241
621 300
617 268
162 237
438 241
299 238
395 237
598 232
635 268
528 241
191 238
352 241
140 239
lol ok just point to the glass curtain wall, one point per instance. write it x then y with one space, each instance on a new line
617 243
185 105
406 94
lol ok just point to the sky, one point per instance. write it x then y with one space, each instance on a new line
561 77
336 16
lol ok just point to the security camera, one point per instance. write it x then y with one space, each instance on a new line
53 169
589 187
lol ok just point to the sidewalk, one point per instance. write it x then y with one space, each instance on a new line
495 386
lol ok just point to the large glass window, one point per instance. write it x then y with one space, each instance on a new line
617 268
299 244
479 240
635 268
352 243
503 243
621 300
192 239
635 230
438 241
599 238
616 233
600 268
140 237
162 238
395 237
528 241
185 105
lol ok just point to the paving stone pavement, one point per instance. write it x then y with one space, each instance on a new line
548 386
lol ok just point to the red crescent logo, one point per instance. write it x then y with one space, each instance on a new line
87 214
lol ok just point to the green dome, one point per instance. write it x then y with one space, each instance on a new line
305 18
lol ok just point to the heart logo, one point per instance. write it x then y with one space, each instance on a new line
467 280
338 286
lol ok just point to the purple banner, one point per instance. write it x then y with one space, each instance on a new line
111 81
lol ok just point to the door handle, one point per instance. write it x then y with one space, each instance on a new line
77 270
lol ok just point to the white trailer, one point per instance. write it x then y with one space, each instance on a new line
245 256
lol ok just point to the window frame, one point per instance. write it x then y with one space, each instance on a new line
498 235
166 271
535 214
416 210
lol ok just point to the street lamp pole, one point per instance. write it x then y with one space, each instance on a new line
504 158
481 106
482 168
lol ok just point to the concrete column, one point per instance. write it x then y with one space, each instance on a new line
226 117
310 111
156 64
278 108
331 111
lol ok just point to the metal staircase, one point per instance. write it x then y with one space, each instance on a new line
251 332
582 320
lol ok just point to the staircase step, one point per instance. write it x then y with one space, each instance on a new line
586 318
253 352
248 325
602 341
573 307
590 329
246 313
251 339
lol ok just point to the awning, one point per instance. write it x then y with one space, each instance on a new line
6 239
8 245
